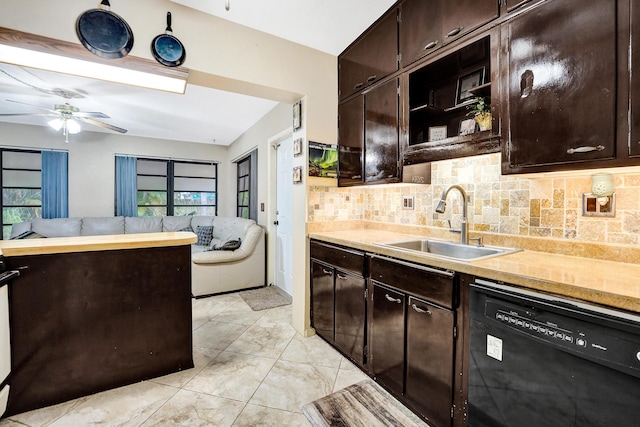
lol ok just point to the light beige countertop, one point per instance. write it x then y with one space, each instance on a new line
56 245
609 283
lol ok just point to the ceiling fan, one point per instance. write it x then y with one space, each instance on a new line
67 117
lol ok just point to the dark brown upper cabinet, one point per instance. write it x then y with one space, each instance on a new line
437 97
560 75
351 142
634 143
381 133
370 58
512 5
427 25
461 16
368 137
420 29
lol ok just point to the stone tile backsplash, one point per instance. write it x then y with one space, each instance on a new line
541 205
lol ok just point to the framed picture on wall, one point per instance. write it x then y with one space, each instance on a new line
468 82
437 133
297 115
297 147
297 175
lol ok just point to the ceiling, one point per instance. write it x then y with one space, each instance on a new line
202 115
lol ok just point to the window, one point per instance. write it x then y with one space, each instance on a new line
21 187
244 186
171 187
248 186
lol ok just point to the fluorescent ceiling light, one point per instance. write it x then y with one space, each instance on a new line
77 61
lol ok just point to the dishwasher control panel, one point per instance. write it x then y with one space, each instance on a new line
575 334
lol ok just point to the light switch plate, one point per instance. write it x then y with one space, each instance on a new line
408 202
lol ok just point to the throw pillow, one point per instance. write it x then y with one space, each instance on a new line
229 245
187 228
205 234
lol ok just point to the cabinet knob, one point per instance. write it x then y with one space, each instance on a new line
454 32
391 299
431 45
585 149
421 310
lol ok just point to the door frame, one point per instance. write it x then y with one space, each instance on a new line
272 201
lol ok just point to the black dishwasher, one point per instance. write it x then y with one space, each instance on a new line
542 360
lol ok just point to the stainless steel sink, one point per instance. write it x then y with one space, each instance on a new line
450 250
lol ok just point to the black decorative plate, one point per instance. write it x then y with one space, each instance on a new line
104 33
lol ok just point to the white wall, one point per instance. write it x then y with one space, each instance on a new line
278 119
92 164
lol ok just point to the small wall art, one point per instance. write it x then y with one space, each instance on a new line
297 115
436 133
297 147
323 160
297 175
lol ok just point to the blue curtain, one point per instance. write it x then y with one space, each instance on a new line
55 184
126 186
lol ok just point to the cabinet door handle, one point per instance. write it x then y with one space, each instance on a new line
341 276
390 299
431 45
371 78
356 177
325 271
372 174
585 149
455 32
421 310
359 86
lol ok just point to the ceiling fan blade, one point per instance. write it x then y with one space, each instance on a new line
95 114
102 124
27 114
34 106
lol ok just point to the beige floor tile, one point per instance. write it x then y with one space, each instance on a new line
255 415
347 377
290 385
280 314
122 407
217 335
190 409
232 375
201 358
267 341
42 417
312 350
239 313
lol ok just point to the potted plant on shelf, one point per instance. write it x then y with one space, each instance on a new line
481 112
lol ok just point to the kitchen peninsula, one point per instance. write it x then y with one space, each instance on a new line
91 313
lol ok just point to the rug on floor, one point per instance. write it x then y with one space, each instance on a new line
264 298
361 404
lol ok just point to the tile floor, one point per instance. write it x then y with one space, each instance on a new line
251 369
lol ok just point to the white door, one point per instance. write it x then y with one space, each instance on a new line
284 215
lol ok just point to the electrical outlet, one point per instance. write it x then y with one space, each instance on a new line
408 202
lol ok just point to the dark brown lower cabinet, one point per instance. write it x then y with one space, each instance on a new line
322 301
338 299
387 337
430 347
350 315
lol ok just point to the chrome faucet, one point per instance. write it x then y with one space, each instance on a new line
442 204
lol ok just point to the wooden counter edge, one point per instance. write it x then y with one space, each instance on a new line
55 245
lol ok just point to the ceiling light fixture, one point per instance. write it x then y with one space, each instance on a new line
30 50
68 126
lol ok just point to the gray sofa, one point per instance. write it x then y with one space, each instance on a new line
213 271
